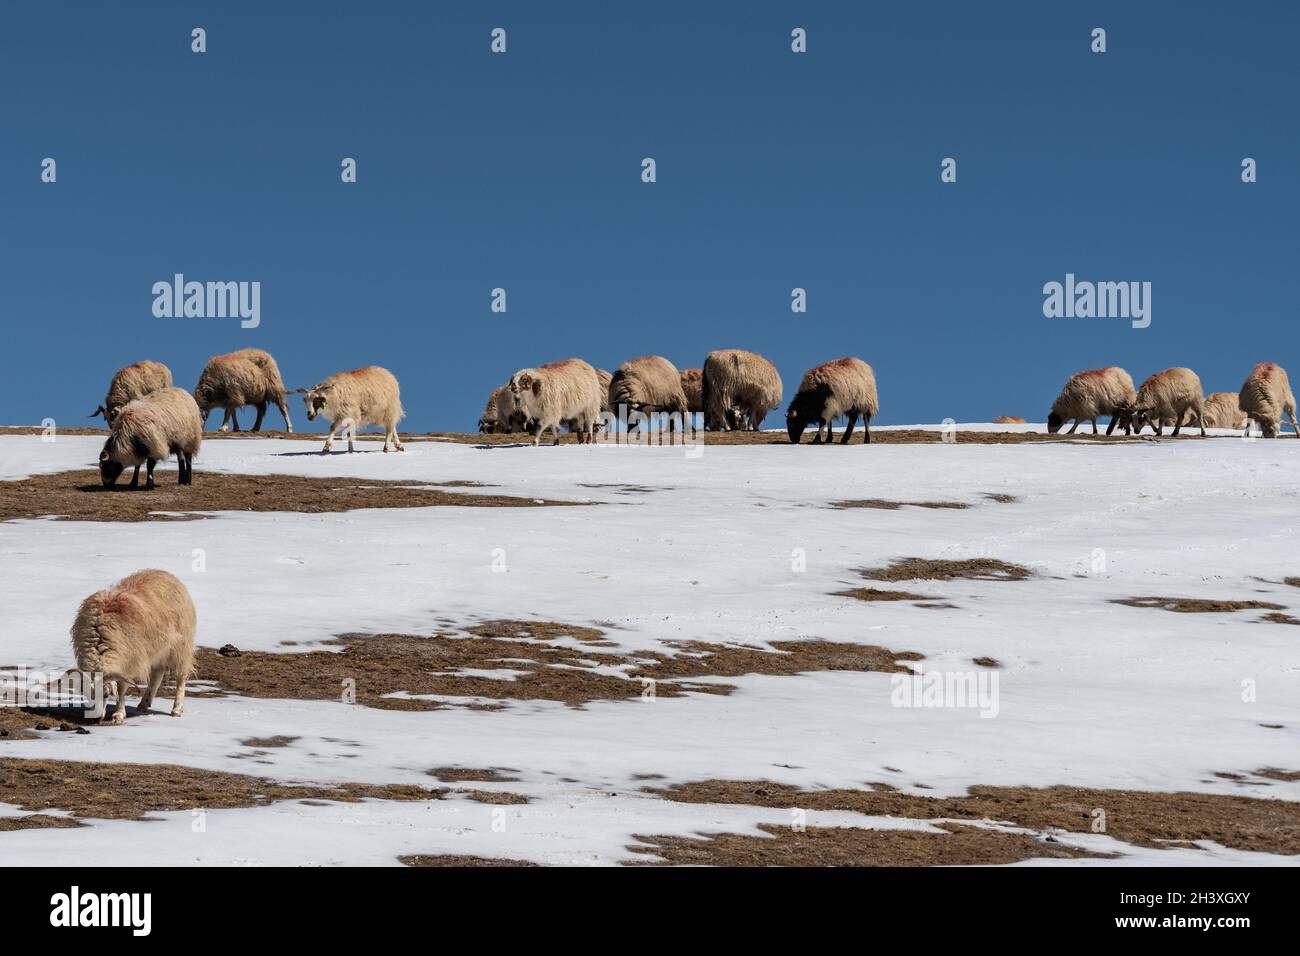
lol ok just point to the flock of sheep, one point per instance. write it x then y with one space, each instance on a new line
1173 397
150 420
734 390
141 630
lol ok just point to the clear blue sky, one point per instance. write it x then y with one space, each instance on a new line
522 170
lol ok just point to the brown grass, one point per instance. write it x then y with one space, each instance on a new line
467 774
876 594
383 664
933 569
1195 605
1277 617
461 861
1137 817
129 791
79 496
851 846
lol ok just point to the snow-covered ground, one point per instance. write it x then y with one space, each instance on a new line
735 545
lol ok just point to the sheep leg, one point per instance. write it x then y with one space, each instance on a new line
149 483
1111 427
830 431
397 442
155 681
329 439
1073 427
1094 427
1178 421
234 419
1291 415
866 429
225 420
261 413
284 410
119 712
135 478
189 469
351 428
848 432
178 704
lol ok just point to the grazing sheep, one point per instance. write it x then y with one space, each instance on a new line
501 416
739 389
650 384
1223 410
693 389
149 430
1266 396
1168 396
566 392
1091 394
845 386
135 634
364 396
132 382
246 377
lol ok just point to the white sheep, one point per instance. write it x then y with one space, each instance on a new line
132 382
739 389
1266 396
135 634
1092 394
149 430
1223 410
649 385
364 396
246 377
1169 396
564 392
842 387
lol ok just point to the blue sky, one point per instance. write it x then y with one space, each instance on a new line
522 170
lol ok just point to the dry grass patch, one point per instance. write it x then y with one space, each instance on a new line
466 861
934 569
876 594
1277 617
434 666
470 774
129 791
79 496
494 796
884 505
38 821
265 743
1195 605
1137 817
849 846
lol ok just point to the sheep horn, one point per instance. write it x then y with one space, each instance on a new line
98 411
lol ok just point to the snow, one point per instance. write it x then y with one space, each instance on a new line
1091 693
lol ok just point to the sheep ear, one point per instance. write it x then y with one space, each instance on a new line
537 386
103 456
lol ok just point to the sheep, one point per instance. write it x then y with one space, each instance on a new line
149 430
739 389
649 385
135 634
1167 396
604 378
693 389
246 377
501 416
1223 410
364 396
131 382
1091 394
845 386
1265 397
567 391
